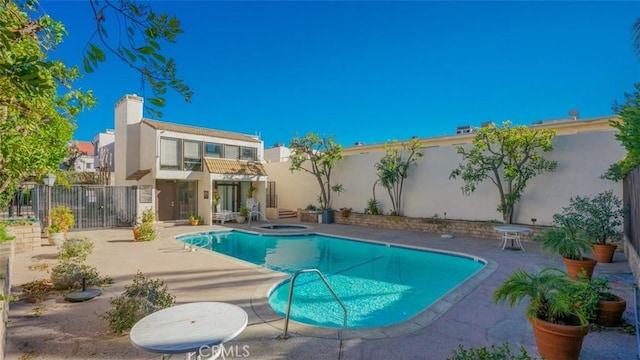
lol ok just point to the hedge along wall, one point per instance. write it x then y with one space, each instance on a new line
476 229
428 191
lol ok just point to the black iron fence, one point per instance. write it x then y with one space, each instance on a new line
631 198
93 206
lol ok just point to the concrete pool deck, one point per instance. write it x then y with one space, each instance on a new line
56 329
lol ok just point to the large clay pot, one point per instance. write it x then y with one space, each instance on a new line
609 312
56 239
604 253
558 342
574 267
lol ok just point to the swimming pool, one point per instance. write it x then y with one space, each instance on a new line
380 284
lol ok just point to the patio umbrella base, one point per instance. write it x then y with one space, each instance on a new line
82 295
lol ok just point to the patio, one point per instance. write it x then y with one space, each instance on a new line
57 329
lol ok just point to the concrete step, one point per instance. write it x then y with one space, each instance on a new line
286 213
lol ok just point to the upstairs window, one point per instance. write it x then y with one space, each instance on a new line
192 156
249 154
170 154
213 150
231 152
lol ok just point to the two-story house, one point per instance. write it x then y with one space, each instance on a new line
178 167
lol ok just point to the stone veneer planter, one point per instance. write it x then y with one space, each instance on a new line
479 229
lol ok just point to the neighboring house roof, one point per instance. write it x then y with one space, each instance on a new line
234 167
138 174
185 129
85 147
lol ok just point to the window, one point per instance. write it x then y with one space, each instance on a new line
249 153
213 150
231 152
170 155
192 156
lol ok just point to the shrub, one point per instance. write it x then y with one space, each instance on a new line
62 218
69 275
501 352
75 250
140 298
148 216
3 233
373 207
146 232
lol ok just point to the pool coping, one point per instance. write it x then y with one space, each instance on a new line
259 300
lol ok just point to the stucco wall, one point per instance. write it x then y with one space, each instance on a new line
581 157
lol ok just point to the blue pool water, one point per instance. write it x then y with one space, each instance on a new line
379 284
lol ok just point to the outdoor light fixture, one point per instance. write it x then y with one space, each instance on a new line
49 180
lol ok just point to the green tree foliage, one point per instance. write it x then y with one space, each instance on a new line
628 126
136 38
393 169
508 156
317 156
37 99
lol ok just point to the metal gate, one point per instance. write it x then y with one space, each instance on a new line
93 206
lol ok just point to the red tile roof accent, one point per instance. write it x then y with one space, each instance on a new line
85 147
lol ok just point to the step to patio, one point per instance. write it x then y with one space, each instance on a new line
286 213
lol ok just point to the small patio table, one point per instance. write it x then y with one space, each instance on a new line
189 328
511 233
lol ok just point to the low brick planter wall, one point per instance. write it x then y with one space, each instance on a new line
308 216
479 229
28 237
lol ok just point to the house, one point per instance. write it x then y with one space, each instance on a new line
177 168
104 148
80 157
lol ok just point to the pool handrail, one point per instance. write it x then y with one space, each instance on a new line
290 298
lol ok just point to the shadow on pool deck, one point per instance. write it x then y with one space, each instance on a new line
467 316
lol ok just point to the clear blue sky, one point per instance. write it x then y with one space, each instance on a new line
375 71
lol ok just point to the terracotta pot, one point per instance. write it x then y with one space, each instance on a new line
558 342
609 312
604 253
135 234
574 267
194 222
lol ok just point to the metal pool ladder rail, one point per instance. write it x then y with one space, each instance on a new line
293 280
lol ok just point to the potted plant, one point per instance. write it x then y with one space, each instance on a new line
194 219
242 215
601 222
559 322
145 232
601 306
55 234
215 201
61 220
62 216
569 240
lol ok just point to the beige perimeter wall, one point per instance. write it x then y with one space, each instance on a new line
582 159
